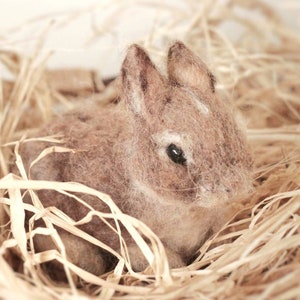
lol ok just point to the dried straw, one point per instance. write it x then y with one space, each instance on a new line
257 254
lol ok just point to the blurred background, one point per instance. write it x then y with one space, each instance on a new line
94 34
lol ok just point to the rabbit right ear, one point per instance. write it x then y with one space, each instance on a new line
142 84
187 69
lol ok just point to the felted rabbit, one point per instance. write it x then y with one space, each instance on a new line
169 153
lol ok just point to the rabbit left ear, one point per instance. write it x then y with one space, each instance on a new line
186 69
142 84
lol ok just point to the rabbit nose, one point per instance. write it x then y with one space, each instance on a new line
209 195
219 192
209 199
212 187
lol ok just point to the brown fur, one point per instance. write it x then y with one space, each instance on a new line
121 150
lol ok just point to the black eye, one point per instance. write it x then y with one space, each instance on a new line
176 154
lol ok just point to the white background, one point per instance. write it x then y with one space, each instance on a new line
22 22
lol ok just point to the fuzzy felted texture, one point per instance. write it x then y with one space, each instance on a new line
169 153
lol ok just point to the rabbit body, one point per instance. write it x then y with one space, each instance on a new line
169 154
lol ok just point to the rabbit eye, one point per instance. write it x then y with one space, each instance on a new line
176 154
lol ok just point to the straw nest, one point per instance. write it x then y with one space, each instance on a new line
257 254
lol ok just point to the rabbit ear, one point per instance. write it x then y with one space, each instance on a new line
186 69
141 83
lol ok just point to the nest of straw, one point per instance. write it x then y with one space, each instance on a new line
257 254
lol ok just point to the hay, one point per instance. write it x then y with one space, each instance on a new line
257 254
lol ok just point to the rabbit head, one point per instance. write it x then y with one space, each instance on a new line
185 146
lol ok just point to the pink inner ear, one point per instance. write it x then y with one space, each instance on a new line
187 69
141 82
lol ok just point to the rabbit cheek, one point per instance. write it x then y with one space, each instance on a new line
175 183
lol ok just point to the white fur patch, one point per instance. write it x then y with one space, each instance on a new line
137 102
200 105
